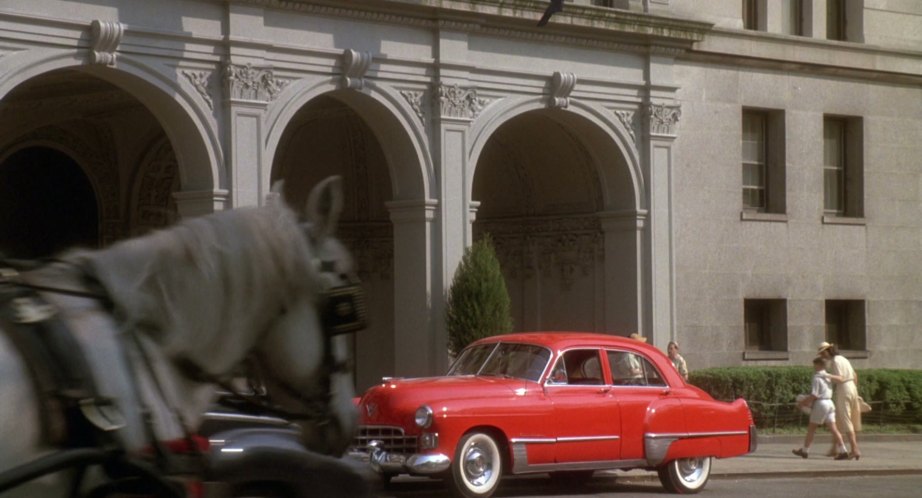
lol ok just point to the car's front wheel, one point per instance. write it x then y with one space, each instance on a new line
685 475
477 466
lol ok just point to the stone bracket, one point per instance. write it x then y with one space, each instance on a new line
105 37
355 65
562 85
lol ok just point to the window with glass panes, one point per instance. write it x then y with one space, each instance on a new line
792 17
834 163
845 323
835 20
754 160
765 324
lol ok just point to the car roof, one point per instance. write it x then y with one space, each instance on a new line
564 340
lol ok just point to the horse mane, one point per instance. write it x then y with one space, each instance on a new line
208 286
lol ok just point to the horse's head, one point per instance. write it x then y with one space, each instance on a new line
306 356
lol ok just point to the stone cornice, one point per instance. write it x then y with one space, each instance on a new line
578 24
808 55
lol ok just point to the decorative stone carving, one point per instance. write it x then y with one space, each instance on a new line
663 118
457 102
561 249
249 83
415 99
561 87
200 81
372 247
355 65
158 178
105 37
627 119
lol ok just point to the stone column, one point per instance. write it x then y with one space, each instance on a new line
416 352
659 323
197 203
624 262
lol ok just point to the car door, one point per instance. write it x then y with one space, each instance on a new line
586 418
636 385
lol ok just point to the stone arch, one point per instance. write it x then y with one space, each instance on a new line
152 204
188 125
605 137
572 253
391 118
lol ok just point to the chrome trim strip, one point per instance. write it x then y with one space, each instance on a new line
587 438
687 435
567 439
243 417
532 440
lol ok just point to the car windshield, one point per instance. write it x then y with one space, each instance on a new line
521 361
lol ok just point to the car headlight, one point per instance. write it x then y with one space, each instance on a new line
423 417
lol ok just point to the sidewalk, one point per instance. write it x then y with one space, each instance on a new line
881 454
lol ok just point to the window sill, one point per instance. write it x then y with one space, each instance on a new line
843 220
766 355
758 216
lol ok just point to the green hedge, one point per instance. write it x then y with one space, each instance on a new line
895 395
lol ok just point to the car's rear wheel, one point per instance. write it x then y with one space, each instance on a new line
685 475
477 466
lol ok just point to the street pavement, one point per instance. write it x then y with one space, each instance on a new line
881 454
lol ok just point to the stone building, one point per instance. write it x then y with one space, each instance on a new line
741 176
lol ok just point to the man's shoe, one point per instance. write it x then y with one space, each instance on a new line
803 454
842 456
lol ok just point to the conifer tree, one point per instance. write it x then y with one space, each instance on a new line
478 302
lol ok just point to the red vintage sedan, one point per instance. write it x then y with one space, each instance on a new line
563 403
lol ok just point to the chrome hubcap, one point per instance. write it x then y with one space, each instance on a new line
478 466
691 469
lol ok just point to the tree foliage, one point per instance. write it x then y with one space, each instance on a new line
478 302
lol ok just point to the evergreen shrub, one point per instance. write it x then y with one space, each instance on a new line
478 302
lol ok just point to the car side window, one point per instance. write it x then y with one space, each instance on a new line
632 369
578 367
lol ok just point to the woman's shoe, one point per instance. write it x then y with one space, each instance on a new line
854 456
799 452
843 456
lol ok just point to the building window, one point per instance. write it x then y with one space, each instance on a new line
751 14
763 161
792 17
835 20
765 323
846 324
842 167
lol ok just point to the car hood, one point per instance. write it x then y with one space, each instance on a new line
395 401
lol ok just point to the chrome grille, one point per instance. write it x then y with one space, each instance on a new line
393 439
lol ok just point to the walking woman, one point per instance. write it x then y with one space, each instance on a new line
848 411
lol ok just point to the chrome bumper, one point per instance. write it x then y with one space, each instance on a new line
383 462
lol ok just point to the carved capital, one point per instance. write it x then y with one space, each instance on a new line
457 102
105 37
355 65
249 83
663 119
561 87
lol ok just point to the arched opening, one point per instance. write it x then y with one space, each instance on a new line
47 204
127 165
540 182
328 137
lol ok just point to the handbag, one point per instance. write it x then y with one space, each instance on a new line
864 407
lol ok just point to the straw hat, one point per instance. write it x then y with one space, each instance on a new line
823 347
638 337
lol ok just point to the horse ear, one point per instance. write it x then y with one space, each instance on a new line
324 204
276 195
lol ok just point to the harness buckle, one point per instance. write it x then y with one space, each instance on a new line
344 310
28 310
102 413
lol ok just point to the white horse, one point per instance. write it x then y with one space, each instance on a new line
184 307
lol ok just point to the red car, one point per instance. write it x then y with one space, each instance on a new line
563 403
